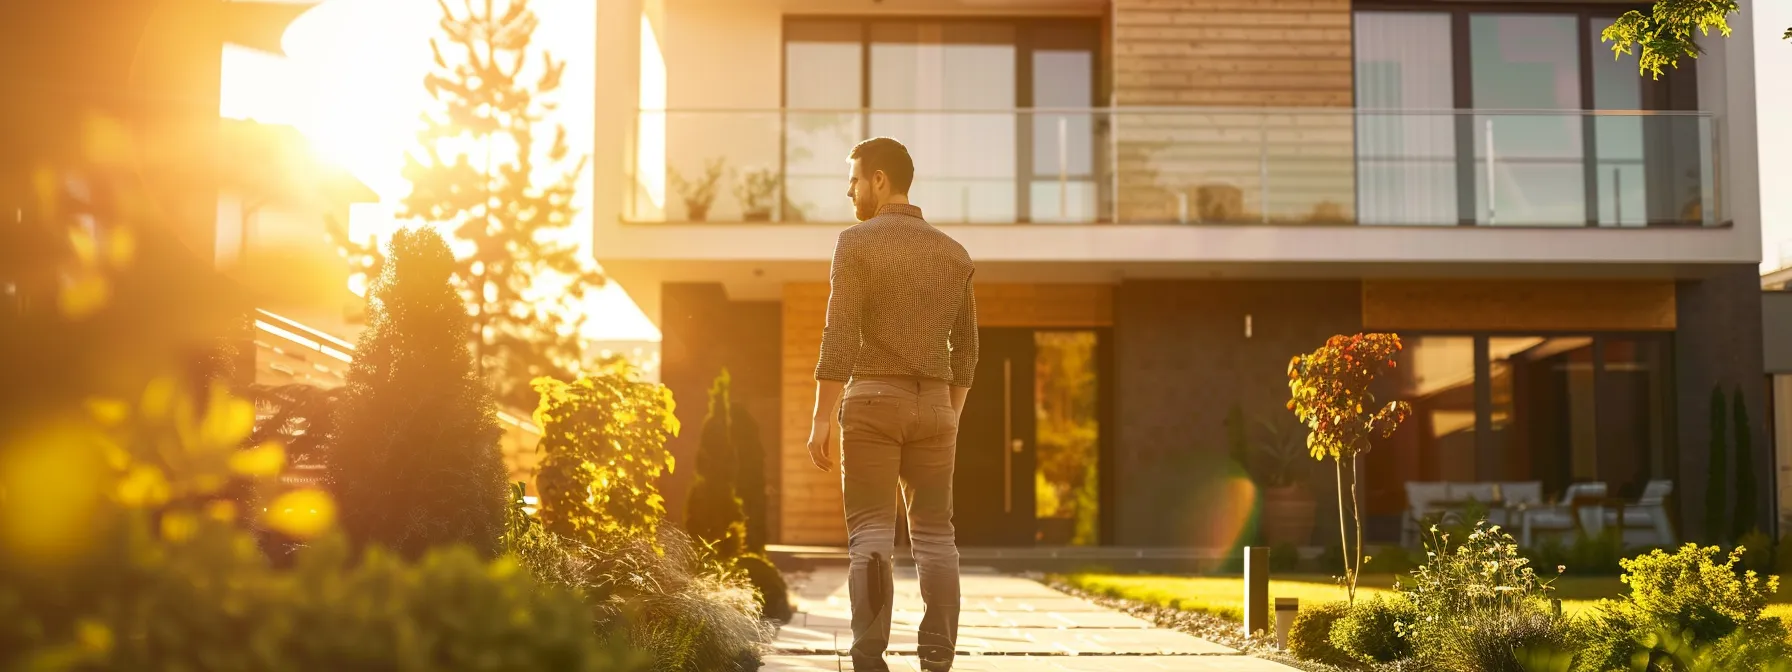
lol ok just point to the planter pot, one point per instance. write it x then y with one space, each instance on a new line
1288 515
696 213
757 216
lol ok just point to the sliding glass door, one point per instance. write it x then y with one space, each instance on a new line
1519 119
961 94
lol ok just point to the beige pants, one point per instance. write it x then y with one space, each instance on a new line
900 435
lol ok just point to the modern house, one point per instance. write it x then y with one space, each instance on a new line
1168 199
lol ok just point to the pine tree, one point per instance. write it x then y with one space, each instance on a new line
1745 471
1717 494
416 463
749 451
509 212
713 512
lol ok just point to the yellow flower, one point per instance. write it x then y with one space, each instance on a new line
143 487
221 511
262 461
301 514
179 527
94 636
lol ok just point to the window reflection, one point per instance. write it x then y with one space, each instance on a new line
1528 168
1436 374
1557 410
1066 490
1542 410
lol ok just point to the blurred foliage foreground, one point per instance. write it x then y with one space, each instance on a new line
124 552
139 511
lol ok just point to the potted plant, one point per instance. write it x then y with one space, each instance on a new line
699 194
1289 509
756 190
1274 456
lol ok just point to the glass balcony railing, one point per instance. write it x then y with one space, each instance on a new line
1192 166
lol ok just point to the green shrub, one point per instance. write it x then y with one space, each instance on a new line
416 463
713 514
1310 638
666 596
1494 644
1691 590
1685 607
768 582
1370 631
603 449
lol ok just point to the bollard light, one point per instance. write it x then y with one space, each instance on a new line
1256 590
1286 608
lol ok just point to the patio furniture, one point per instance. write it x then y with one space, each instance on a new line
1517 497
1580 510
1647 516
1421 499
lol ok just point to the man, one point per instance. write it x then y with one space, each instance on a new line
901 342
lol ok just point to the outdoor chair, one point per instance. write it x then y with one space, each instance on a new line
1581 509
1516 497
1647 516
1419 498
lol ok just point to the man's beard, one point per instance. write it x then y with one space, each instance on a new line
864 212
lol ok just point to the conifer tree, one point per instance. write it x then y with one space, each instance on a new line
713 512
749 453
416 463
1717 490
481 174
1744 521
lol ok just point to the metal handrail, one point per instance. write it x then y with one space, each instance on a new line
1157 110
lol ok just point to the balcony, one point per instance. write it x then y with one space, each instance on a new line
1176 166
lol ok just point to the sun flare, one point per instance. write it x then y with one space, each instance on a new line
351 81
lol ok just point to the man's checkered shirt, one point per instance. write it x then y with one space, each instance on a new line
901 302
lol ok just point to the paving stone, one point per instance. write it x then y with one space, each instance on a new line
1006 623
1039 663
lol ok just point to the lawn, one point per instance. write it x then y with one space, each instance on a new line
1224 595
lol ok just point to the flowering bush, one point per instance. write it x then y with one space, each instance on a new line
1481 577
1330 394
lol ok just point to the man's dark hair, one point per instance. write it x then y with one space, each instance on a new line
888 155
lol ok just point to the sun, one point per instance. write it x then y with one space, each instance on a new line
351 81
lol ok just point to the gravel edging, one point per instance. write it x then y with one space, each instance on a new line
1207 626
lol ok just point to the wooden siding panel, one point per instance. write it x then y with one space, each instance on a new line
1250 54
1530 305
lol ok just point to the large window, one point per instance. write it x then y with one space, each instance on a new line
1523 118
995 113
1557 409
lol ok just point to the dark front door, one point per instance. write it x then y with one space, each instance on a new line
993 498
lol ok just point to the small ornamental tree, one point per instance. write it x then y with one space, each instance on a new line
1330 395
603 449
416 462
713 513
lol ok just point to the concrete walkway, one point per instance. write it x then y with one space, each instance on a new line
1007 623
